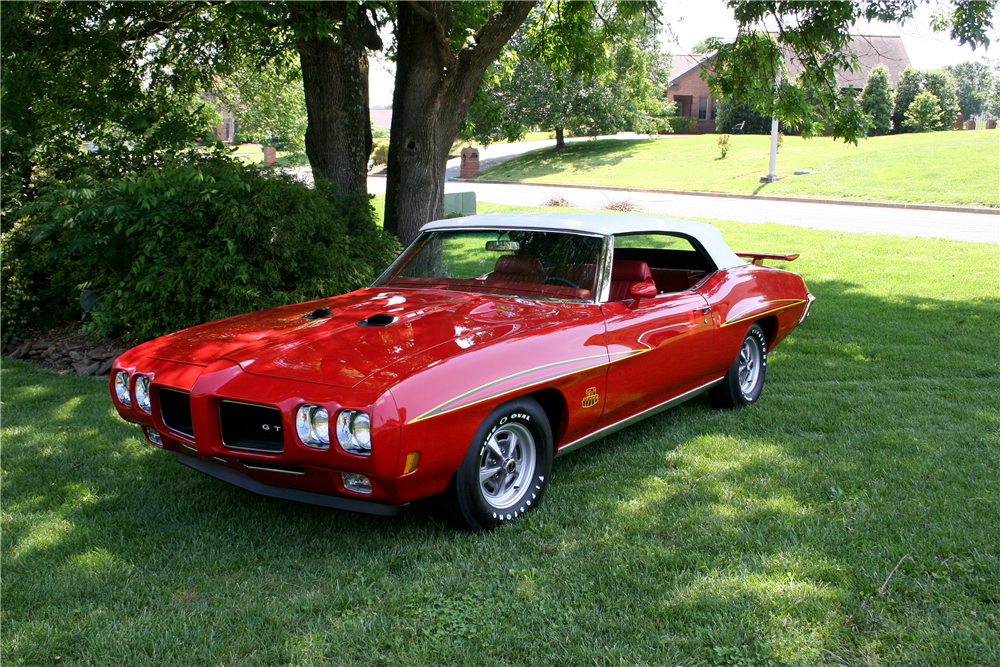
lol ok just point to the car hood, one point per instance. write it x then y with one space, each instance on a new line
347 345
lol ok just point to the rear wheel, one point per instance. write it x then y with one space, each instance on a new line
506 470
744 380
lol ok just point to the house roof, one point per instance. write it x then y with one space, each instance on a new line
869 49
381 117
683 64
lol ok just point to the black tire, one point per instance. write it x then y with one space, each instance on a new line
744 380
515 442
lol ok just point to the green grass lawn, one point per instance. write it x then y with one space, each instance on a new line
957 168
758 537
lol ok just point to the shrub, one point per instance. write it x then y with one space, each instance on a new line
380 150
924 113
731 114
191 240
942 85
724 145
678 125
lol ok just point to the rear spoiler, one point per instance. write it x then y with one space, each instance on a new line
759 257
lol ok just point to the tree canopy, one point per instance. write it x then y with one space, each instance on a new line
112 71
973 81
817 34
618 88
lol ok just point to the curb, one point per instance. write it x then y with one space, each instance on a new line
726 195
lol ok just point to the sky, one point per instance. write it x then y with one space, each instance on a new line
694 20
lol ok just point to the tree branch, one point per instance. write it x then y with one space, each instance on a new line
155 26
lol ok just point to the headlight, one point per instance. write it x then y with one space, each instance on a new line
312 423
354 431
121 389
142 393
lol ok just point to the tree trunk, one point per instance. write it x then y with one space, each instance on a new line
560 139
434 89
335 81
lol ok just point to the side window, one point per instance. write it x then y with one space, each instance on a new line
653 241
675 262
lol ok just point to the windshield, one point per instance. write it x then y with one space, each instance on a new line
534 264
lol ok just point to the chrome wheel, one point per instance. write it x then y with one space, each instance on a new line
507 465
749 366
744 381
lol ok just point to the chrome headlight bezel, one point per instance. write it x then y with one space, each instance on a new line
354 432
312 424
121 389
142 394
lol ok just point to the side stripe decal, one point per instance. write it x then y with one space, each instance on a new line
762 309
524 379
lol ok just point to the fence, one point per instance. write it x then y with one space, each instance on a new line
983 121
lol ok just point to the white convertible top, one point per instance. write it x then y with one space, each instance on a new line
605 224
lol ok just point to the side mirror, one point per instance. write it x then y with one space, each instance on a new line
637 291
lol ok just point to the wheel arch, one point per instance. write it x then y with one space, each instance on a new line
769 325
556 409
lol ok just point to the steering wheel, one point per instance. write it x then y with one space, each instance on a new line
562 280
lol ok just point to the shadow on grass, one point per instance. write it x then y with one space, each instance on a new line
578 156
757 536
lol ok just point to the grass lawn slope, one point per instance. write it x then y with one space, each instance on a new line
953 168
848 518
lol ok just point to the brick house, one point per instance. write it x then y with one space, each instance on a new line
694 99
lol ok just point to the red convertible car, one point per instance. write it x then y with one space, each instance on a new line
491 345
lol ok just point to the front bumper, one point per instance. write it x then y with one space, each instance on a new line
227 474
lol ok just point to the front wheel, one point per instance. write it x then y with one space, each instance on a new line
506 470
745 378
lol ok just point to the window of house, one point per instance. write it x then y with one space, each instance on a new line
702 108
715 107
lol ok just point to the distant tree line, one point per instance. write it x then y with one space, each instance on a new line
923 100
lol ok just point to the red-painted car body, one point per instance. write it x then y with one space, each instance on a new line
428 359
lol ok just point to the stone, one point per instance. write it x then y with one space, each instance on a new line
75 355
21 351
100 353
63 361
90 369
42 345
105 367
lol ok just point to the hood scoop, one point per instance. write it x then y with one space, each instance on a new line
318 313
380 320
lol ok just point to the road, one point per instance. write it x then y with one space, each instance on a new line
959 226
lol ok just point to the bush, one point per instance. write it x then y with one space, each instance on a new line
380 150
677 125
188 241
924 113
731 114
723 146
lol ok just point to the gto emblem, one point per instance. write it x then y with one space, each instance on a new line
591 399
268 427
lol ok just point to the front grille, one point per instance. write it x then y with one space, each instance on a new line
253 427
175 408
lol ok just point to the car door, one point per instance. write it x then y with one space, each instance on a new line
660 347
656 350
